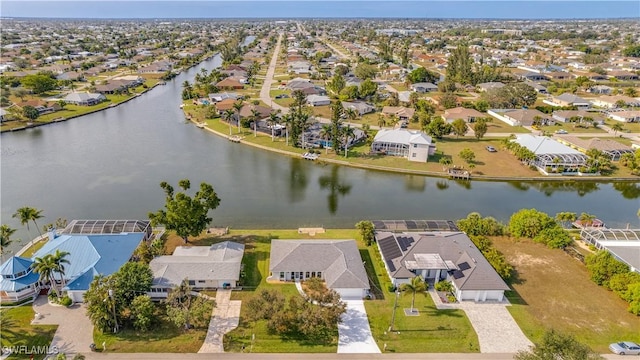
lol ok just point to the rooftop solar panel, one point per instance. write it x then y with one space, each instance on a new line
390 265
389 248
411 225
457 274
405 242
464 266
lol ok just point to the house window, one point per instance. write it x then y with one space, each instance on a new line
301 275
307 275
413 155
201 281
282 275
319 274
313 274
192 282
415 145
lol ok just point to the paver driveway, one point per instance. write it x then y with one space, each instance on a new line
75 331
225 317
354 331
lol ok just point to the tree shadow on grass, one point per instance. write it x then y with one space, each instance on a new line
376 288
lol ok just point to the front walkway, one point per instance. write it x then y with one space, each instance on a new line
75 331
225 317
354 331
497 331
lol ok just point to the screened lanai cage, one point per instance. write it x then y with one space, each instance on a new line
600 237
389 148
560 162
95 227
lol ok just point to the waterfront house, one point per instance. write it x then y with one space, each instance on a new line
410 144
230 83
440 256
19 281
611 148
550 155
84 99
204 267
337 262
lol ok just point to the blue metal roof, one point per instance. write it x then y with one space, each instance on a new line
90 255
14 285
15 265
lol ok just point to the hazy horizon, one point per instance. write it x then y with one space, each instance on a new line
215 9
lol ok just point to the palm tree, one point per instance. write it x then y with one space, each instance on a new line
287 119
631 92
351 113
228 115
237 106
26 214
59 260
255 115
394 120
616 127
382 121
566 217
325 134
416 285
348 134
5 237
274 120
586 219
46 267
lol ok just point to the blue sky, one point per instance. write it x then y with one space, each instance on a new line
322 9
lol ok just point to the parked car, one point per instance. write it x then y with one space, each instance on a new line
561 131
625 348
282 96
491 149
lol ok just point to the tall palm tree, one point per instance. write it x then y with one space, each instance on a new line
237 106
5 237
26 214
416 285
325 134
287 119
255 115
382 121
59 259
46 267
228 115
616 127
348 134
274 120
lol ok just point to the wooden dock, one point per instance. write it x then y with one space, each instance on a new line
310 156
235 138
459 174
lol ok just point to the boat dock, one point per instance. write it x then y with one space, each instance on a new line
459 174
310 156
235 138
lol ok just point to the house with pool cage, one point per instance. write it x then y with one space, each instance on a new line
410 144
552 157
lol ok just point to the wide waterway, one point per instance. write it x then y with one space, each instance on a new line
109 165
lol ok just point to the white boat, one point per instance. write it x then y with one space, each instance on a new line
181 106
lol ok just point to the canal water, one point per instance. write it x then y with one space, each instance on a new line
109 164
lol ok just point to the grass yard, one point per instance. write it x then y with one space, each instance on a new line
626 127
165 337
571 128
33 248
434 331
321 111
16 330
552 290
497 126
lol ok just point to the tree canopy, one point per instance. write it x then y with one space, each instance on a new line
186 215
555 345
39 83
529 223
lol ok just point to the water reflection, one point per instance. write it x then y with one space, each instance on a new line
415 183
336 186
466 184
629 190
297 181
581 188
442 184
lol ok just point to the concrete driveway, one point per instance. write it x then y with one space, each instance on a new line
354 331
75 330
225 317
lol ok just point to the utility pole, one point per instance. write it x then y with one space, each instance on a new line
393 314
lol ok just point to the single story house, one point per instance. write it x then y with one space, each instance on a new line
299 84
612 148
566 115
600 89
538 88
70 76
568 99
84 99
468 115
521 117
318 100
483 87
551 155
217 97
440 256
403 113
262 111
337 262
3 114
224 105
625 116
360 106
95 247
423 87
622 75
411 144
204 267
230 83
610 102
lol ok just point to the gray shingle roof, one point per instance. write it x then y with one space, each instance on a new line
453 247
220 261
338 260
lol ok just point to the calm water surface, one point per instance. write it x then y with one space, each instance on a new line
109 165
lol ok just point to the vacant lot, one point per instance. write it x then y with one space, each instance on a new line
552 290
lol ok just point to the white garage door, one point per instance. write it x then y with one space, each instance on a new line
350 293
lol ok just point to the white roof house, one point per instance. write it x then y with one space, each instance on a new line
551 155
625 116
412 144
205 267
318 100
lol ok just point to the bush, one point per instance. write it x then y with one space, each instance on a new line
66 301
391 288
475 224
444 286
529 223
554 237
451 298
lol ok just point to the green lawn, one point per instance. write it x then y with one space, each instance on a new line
627 127
433 331
497 126
553 290
165 337
33 248
16 330
571 128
